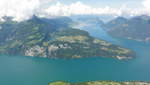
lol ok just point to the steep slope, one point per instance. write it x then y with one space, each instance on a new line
54 39
137 28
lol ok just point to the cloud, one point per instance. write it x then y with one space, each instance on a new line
146 4
21 9
78 8
24 9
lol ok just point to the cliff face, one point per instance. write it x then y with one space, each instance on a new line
100 83
54 39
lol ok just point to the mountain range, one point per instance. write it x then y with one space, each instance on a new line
54 38
135 28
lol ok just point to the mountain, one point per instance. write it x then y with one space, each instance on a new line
93 25
103 17
115 22
54 38
87 19
11 29
100 83
87 23
137 28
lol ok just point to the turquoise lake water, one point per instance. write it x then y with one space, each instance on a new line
20 70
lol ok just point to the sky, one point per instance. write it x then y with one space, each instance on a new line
103 3
24 9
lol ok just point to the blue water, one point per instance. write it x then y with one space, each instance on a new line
20 70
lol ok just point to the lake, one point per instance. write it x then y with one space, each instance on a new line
21 70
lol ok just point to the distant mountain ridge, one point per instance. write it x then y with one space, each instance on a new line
136 28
